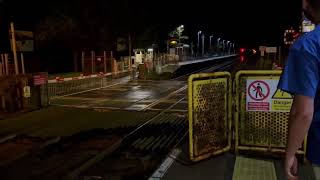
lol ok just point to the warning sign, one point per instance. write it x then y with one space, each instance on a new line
281 95
281 101
263 95
26 92
259 90
258 95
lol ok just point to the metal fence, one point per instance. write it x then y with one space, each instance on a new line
265 131
64 88
209 114
212 102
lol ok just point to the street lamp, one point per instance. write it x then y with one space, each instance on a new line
198 44
218 46
199 32
228 46
234 50
210 40
203 44
223 46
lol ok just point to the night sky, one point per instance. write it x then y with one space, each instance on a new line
247 22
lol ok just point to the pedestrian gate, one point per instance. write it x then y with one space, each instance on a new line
219 116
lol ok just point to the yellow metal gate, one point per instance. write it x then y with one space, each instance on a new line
259 131
211 98
209 114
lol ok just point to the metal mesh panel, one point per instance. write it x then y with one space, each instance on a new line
280 130
266 129
74 86
210 115
80 85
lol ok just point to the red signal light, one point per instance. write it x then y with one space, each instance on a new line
242 50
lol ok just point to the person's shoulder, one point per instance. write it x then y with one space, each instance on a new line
309 43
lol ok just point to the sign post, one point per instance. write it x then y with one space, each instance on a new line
22 64
14 49
271 50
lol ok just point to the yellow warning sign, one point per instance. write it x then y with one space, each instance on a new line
26 92
283 105
281 95
281 101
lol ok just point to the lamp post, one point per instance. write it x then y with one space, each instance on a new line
228 46
218 45
210 41
198 44
234 50
223 46
199 32
203 44
180 30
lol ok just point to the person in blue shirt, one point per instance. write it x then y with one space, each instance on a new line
301 77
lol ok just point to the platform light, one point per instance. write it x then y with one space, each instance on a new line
254 51
173 42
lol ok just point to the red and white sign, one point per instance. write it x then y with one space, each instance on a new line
40 79
258 90
258 95
263 95
258 106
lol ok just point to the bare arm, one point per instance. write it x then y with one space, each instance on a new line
300 120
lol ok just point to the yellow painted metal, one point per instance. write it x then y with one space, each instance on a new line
256 169
190 113
259 131
209 98
262 149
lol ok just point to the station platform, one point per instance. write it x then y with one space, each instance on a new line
174 66
232 167
205 60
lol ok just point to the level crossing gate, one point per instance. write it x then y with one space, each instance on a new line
245 113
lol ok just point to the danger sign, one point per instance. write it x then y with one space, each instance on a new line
281 101
263 95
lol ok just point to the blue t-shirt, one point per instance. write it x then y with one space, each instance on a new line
301 76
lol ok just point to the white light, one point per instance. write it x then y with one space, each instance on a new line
150 50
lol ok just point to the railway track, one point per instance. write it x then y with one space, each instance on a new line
132 152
